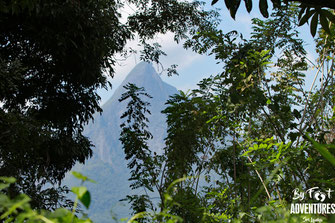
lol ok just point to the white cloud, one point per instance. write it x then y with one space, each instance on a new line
176 54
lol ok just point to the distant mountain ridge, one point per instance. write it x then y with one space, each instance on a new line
108 166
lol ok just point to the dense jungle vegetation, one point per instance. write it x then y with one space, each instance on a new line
255 126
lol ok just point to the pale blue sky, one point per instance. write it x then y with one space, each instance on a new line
193 67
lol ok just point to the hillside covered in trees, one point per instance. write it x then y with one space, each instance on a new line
266 137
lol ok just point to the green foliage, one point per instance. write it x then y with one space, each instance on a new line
83 195
243 129
54 56
323 150
308 9
134 136
241 134
165 214
19 209
319 16
82 177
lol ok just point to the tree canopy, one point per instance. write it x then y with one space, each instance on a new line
308 9
246 137
236 147
54 55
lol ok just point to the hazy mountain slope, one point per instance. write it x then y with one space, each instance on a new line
108 166
105 131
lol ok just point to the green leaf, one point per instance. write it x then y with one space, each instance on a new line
79 191
324 22
302 10
139 215
22 199
169 189
263 6
248 5
305 18
59 213
82 177
296 114
228 4
86 199
234 8
276 3
322 150
330 16
214 1
83 195
314 24
9 180
241 215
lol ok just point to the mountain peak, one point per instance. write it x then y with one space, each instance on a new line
142 70
108 165
142 75
142 66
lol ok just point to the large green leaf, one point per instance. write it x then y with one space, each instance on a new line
263 6
302 11
214 1
324 22
248 5
276 3
20 201
314 23
81 177
322 149
330 16
234 7
9 180
305 18
83 195
229 3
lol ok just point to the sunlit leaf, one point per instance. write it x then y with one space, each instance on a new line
83 195
22 199
9 180
81 177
